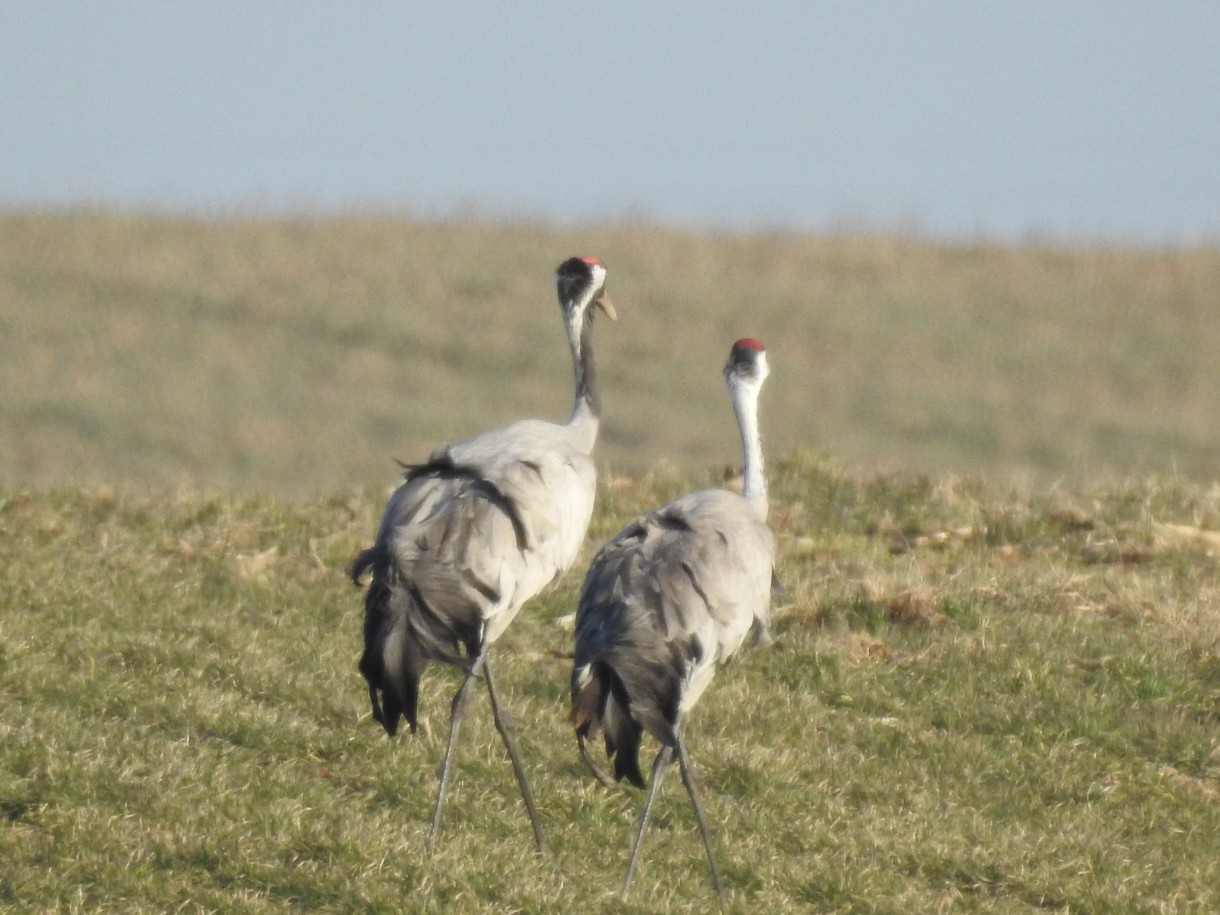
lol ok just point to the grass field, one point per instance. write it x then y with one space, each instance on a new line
299 356
974 703
995 685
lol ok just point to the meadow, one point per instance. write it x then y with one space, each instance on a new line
973 704
300 356
995 682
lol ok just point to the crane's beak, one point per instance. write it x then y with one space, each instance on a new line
604 304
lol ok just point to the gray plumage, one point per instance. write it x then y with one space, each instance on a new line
475 532
668 600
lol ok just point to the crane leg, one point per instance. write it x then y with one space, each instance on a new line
514 754
597 770
456 712
658 769
689 779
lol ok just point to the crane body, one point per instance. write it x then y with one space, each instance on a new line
472 534
665 603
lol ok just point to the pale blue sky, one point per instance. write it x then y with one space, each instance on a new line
1078 120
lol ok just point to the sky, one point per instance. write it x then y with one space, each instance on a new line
1050 119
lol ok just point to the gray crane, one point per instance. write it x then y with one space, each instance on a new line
667 601
475 532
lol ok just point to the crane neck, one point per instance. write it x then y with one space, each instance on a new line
744 395
587 405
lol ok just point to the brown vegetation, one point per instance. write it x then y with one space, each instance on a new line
300 354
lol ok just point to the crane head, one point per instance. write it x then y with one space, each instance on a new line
747 361
581 282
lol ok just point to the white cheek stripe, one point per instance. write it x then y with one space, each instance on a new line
599 275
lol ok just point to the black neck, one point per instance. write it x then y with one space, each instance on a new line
587 390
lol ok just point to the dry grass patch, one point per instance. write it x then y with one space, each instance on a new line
301 355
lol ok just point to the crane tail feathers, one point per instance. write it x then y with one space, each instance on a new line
364 562
587 708
598 706
392 662
627 751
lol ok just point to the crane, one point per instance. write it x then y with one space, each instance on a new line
472 534
668 600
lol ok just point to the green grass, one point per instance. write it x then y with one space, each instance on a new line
300 356
978 700
995 685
